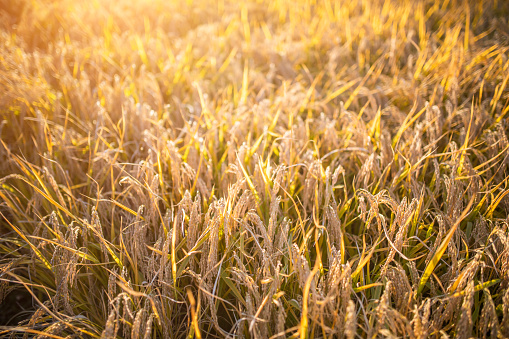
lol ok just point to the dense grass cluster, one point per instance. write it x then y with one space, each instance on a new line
314 169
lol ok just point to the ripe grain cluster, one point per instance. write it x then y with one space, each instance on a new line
259 169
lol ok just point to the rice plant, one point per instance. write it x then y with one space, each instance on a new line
262 169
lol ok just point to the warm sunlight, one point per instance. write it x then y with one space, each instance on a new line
254 169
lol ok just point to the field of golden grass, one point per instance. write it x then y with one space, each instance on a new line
262 169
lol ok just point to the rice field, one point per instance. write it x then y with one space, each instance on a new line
259 169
